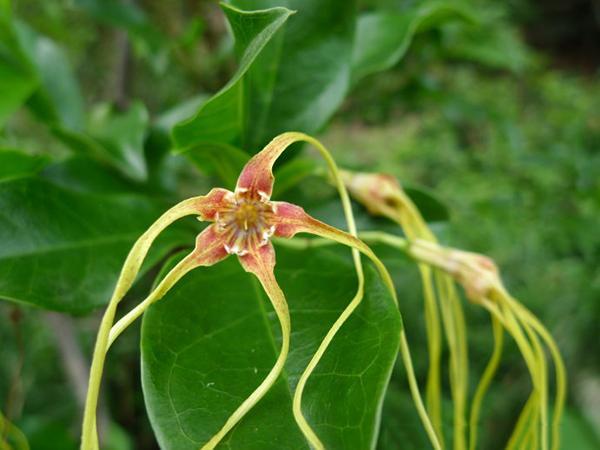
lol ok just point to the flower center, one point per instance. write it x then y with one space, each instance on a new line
246 223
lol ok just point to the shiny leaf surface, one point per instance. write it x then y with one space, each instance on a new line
211 341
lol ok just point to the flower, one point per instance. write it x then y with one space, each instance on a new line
243 222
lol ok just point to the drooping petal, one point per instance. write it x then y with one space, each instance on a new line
209 250
261 263
257 174
209 205
129 272
210 247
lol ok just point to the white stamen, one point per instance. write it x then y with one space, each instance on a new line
240 190
263 196
229 196
266 234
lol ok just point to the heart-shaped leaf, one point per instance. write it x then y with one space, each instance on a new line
210 342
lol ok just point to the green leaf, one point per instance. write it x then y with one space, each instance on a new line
224 160
496 44
211 341
292 173
221 118
577 432
382 38
59 100
17 79
16 164
429 205
116 138
289 78
64 244
302 76
16 85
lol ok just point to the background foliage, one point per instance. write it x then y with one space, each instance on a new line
492 107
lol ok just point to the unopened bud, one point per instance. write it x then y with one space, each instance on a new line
380 193
476 273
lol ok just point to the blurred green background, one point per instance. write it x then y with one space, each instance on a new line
501 122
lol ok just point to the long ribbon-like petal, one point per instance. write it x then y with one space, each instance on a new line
261 264
209 250
131 267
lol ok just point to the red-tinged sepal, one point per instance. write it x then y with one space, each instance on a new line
288 219
210 204
256 177
210 248
260 261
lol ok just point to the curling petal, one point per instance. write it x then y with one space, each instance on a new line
257 174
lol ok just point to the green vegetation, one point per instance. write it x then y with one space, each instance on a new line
113 111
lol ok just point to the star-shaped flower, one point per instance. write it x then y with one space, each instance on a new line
242 224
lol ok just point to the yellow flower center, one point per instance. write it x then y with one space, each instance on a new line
246 222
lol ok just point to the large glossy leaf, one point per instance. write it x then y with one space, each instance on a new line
290 77
212 340
65 236
302 76
382 37
222 118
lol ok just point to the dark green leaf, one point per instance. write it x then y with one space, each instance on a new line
15 87
59 100
430 206
302 76
383 37
211 341
224 160
62 246
17 79
222 118
496 44
292 173
16 164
